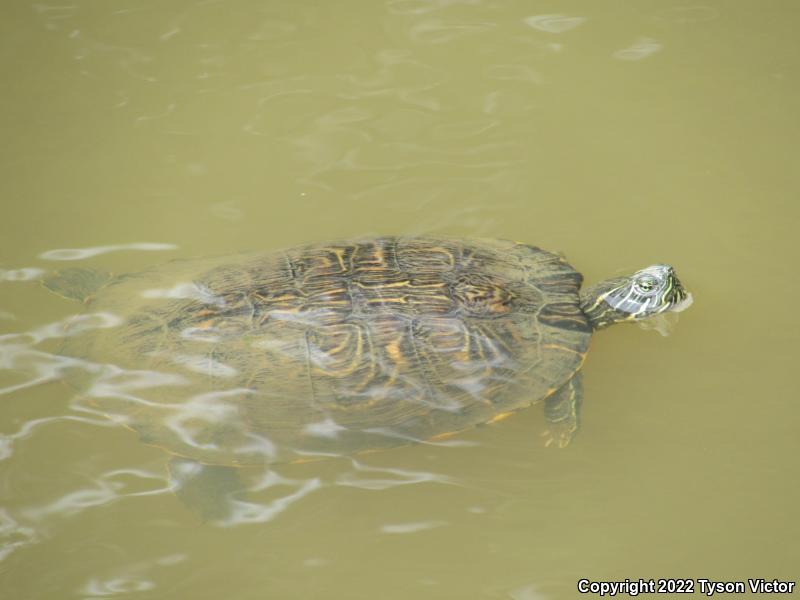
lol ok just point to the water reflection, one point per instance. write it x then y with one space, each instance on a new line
186 291
640 49
13 535
554 23
98 588
84 253
17 351
514 73
102 491
420 7
245 512
527 592
382 478
401 528
24 274
115 382
199 363
272 29
327 428
132 578
226 210
27 429
437 31
687 14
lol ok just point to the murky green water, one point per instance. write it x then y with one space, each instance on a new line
620 134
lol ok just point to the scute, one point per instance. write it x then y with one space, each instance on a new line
337 347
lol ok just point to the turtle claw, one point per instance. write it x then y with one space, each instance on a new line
559 437
548 438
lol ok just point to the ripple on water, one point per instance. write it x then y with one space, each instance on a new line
248 512
18 356
23 274
381 478
83 253
133 578
640 49
107 488
414 527
687 14
13 535
554 23
437 31
527 592
522 73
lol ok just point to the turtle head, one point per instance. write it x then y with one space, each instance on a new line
635 297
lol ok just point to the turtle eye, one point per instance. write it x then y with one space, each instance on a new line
646 284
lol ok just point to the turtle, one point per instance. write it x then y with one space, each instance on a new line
342 347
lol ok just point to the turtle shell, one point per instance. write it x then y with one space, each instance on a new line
331 348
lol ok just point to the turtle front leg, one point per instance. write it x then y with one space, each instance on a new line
209 490
562 411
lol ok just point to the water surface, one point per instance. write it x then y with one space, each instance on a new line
619 134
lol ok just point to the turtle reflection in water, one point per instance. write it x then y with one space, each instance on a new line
342 347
